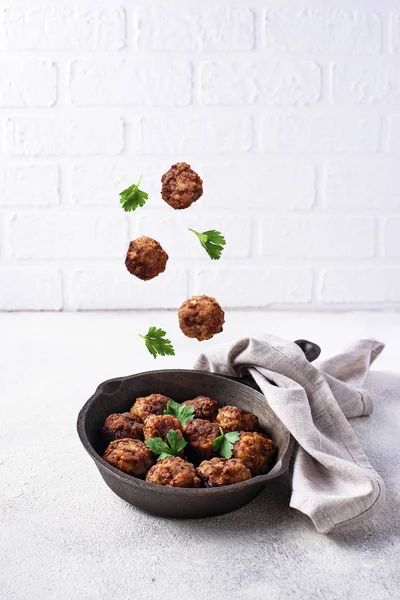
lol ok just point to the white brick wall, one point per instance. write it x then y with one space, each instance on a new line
266 82
27 83
63 27
289 110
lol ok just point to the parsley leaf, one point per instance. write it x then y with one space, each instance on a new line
157 343
132 197
184 413
212 241
224 443
176 442
158 446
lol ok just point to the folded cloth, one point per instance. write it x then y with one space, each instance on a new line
332 480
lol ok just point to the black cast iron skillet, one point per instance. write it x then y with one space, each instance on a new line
118 395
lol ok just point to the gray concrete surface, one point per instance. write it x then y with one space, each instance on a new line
64 535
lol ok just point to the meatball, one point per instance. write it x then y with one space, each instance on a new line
155 404
201 317
256 451
159 425
199 435
222 471
123 425
181 186
174 472
204 408
145 258
130 456
232 418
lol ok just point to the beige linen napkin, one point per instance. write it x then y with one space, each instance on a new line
332 481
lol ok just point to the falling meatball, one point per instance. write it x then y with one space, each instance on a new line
199 435
222 471
155 404
130 456
123 425
256 451
204 407
174 472
181 186
201 317
145 258
160 425
232 418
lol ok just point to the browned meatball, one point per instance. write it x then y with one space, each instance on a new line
145 258
174 472
155 404
201 317
256 451
123 425
130 456
204 408
232 418
199 435
159 425
181 186
222 471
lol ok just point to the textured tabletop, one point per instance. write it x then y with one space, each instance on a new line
65 535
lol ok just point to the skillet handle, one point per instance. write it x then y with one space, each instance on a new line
310 349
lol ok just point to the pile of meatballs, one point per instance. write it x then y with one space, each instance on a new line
200 317
197 465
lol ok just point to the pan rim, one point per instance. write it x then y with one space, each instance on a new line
169 490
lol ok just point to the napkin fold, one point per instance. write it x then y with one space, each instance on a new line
332 480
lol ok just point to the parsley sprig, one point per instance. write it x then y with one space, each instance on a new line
224 443
133 197
158 446
157 343
184 413
212 241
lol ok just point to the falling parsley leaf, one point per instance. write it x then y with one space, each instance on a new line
158 446
212 241
184 413
156 342
132 197
224 443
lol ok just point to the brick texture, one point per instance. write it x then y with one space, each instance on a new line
318 237
255 286
29 185
361 286
311 134
126 82
275 83
392 237
33 288
362 83
175 135
61 28
57 236
214 29
103 289
333 30
54 136
27 83
289 111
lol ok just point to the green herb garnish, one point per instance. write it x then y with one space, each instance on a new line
224 443
184 413
157 343
212 241
132 197
158 446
